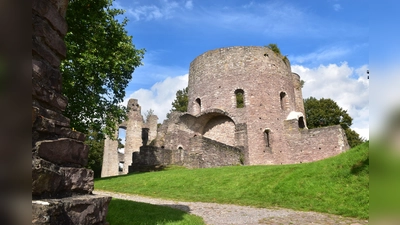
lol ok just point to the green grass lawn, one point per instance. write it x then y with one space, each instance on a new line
123 212
338 185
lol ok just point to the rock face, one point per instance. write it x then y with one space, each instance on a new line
61 186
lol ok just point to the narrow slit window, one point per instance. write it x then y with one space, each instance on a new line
197 104
283 98
301 122
239 93
266 137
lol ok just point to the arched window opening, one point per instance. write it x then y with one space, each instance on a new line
145 136
283 98
121 139
198 101
120 166
197 105
239 93
301 122
180 147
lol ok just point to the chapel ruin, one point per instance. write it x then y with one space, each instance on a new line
245 107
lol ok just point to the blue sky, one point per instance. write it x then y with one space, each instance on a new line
326 41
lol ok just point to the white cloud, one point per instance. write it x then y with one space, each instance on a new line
189 4
164 9
322 54
160 96
337 7
347 86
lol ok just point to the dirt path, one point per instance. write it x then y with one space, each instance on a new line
223 214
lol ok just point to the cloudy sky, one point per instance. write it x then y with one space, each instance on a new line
326 41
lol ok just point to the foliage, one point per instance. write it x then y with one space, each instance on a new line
239 99
274 48
326 112
302 82
96 148
337 185
353 138
123 212
99 64
120 145
180 103
148 114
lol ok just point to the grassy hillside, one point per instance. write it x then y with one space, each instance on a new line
338 185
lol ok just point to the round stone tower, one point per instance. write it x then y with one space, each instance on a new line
256 87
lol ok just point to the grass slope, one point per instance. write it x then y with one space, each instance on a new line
338 185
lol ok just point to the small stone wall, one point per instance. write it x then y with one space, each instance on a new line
205 153
150 158
308 145
216 154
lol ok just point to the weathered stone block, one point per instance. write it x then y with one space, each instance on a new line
50 97
50 12
63 151
38 48
77 210
50 180
47 75
46 178
77 180
53 39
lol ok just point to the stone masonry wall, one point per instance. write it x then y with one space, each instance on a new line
60 183
206 153
310 145
262 76
150 158
110 158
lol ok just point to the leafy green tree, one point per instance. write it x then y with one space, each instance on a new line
180 103
99 65
96 148
147 115
326 112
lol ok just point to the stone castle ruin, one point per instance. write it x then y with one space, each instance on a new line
245 107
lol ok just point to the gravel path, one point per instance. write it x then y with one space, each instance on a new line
224 214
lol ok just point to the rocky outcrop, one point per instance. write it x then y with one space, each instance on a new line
61 186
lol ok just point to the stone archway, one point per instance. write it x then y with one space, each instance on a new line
220 128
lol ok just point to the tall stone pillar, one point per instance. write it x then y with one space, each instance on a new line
61 186
151 124
133 139
110 157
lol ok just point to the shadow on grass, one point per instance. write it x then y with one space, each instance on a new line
123 212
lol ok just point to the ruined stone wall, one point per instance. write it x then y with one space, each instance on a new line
310 145
206 153
151 125
262 75
201 153
60 183
150 158
111 158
